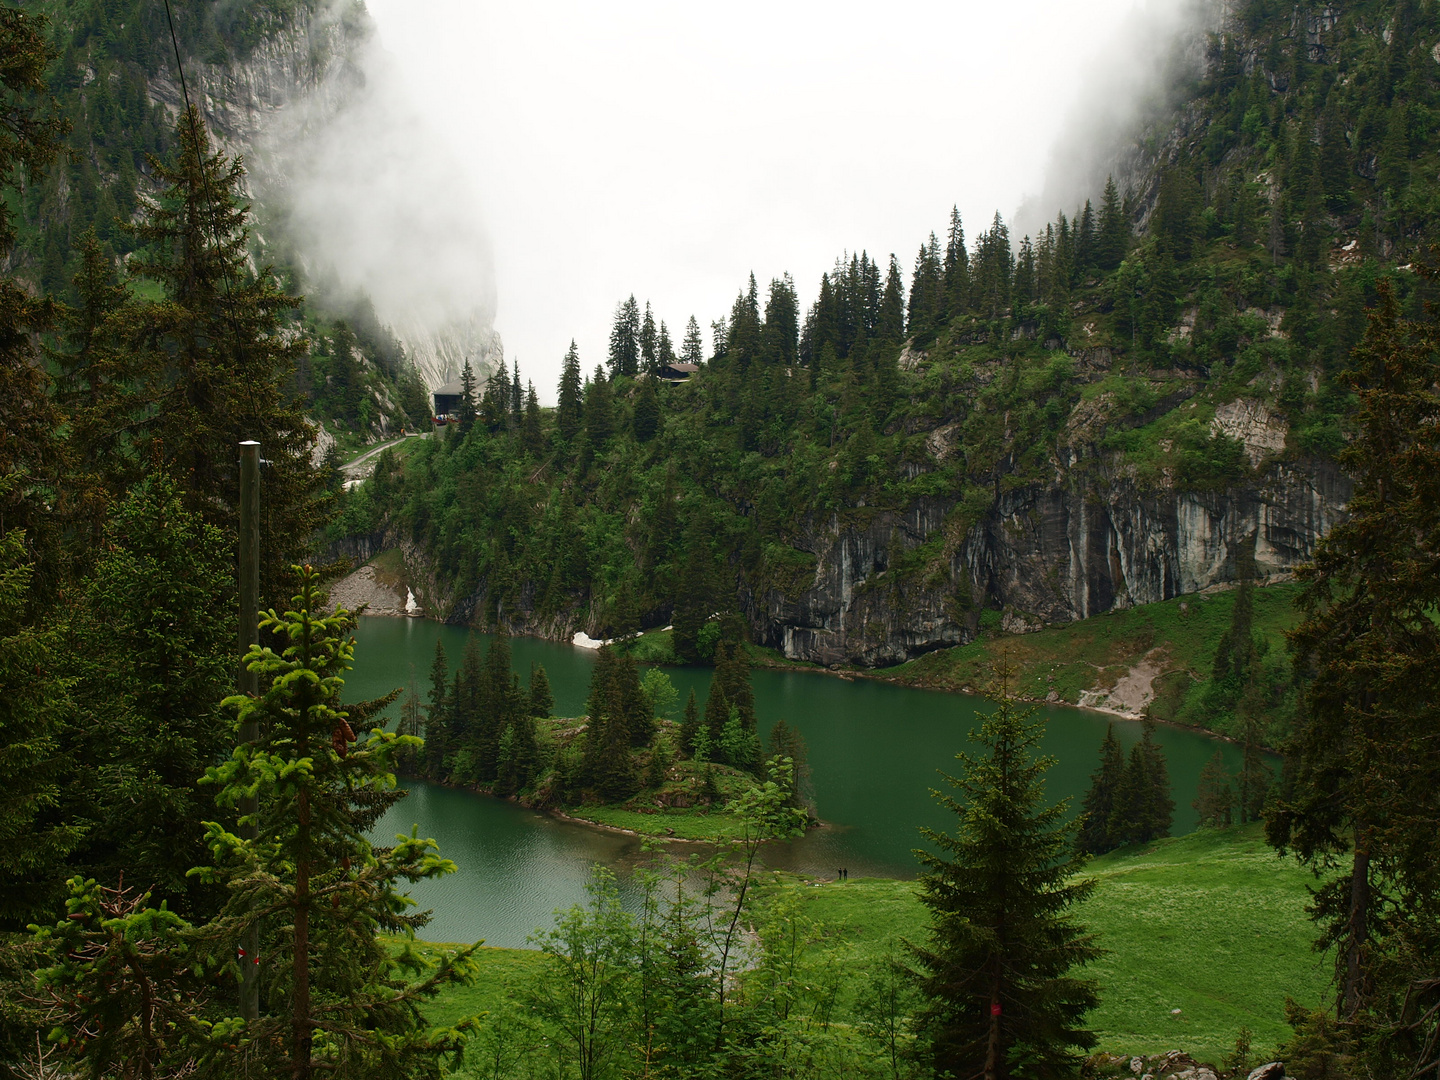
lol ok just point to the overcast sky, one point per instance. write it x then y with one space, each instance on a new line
669 149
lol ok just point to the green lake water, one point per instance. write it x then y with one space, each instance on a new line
874 754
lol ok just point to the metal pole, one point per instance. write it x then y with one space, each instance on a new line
247 682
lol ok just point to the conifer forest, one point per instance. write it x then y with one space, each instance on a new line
1171 453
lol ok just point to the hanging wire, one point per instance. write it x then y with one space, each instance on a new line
191 112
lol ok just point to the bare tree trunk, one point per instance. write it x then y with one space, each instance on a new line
300 1037
1357 930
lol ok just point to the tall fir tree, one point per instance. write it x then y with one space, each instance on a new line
692 349
569 408
649 342
1364 779
541 699
339 1003
625 339
1000 997
1113 232
1095 836
438 715
219 358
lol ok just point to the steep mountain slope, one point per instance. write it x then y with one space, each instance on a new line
272 78
1127 407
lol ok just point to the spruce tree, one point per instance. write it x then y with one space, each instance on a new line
30 446
692 349
997 975
33 704
532 438
645 422
1143 808
438 716
717 708
1095 833
542 701
599 412
339 1003
1113 232
957 266
149 675
469 404
649 343
625 339
890 324
1364 779
690 725
569 408
218 359
786 742
1214 797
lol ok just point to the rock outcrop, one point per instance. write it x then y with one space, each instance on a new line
311 109
1042 555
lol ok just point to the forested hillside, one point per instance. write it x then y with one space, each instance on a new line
1007 431
114 78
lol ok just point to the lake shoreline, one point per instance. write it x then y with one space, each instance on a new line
767 663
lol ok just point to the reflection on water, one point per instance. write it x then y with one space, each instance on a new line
875 751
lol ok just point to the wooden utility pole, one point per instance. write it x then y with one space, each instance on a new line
247 682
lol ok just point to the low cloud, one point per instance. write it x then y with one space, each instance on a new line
371 206
1132 85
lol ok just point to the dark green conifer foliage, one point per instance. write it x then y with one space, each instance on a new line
692 350
1113 233
149 678
542 701
1364 791
1143 808
532 438
890 322
33 704
646 418
690 725
599 412
1097 811
438 715
469 404
1334 163
657 768
732 671
497 703
957 267
625 339
569 406
1085 238
219 365
1214 797
649 343
338 1002
787 742
29 447
717 706
694 589
997 973
608 767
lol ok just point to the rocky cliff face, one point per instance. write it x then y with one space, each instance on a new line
1042 555
313 110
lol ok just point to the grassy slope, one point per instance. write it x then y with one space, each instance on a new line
1212 924
1093 653
1090 655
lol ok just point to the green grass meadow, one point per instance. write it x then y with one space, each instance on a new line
1212 924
